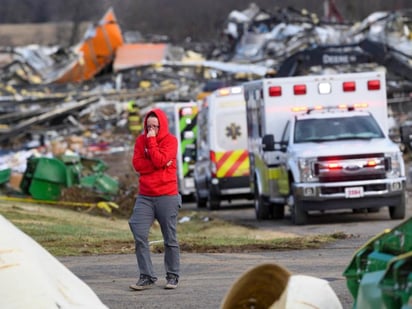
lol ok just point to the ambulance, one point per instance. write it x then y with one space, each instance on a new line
320 143
222 165
182 118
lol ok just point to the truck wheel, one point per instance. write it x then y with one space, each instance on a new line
262 209
214 202
398 212
299 216
278 211
201 202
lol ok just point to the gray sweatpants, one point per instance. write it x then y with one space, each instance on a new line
165 210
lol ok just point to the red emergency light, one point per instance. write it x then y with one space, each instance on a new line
275 91
334 166
349 86
371 163
299 89
374 84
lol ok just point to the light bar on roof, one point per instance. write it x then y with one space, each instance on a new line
297 109
361 105
223 92
229 90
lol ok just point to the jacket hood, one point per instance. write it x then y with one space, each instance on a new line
163 122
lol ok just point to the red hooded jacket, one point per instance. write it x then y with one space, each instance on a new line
150 158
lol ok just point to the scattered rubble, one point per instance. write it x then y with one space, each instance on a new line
56 101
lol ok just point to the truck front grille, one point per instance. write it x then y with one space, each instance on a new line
338 178
351 168
366 188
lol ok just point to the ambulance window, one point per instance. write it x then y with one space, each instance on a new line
254 128
202 133
171 120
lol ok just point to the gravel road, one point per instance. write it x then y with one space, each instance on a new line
205 278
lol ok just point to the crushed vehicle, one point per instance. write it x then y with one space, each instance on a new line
320 143
222 164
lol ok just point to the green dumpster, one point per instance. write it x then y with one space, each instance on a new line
44 178
378 275
5 176
396 284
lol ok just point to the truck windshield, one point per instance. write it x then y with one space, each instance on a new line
338 128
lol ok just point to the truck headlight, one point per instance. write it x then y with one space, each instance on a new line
395 166
307 169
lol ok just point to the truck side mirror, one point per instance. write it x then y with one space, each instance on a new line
268 142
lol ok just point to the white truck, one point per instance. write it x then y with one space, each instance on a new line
320 143
222 165
182 117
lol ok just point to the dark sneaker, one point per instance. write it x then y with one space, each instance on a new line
145 282
171 281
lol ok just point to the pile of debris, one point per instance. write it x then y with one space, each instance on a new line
56 102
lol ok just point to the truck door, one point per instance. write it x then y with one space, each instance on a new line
187 130
283 180
232 158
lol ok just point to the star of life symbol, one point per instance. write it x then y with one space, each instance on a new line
233 131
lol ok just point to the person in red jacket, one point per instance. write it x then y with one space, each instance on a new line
154 159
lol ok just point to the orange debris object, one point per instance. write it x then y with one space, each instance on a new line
132 55
96 51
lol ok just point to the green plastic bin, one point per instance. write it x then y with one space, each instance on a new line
378 275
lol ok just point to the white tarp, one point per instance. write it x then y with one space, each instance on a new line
30 277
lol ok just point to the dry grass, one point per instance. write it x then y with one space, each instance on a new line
64 231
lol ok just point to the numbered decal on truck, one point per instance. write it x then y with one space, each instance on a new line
354 192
